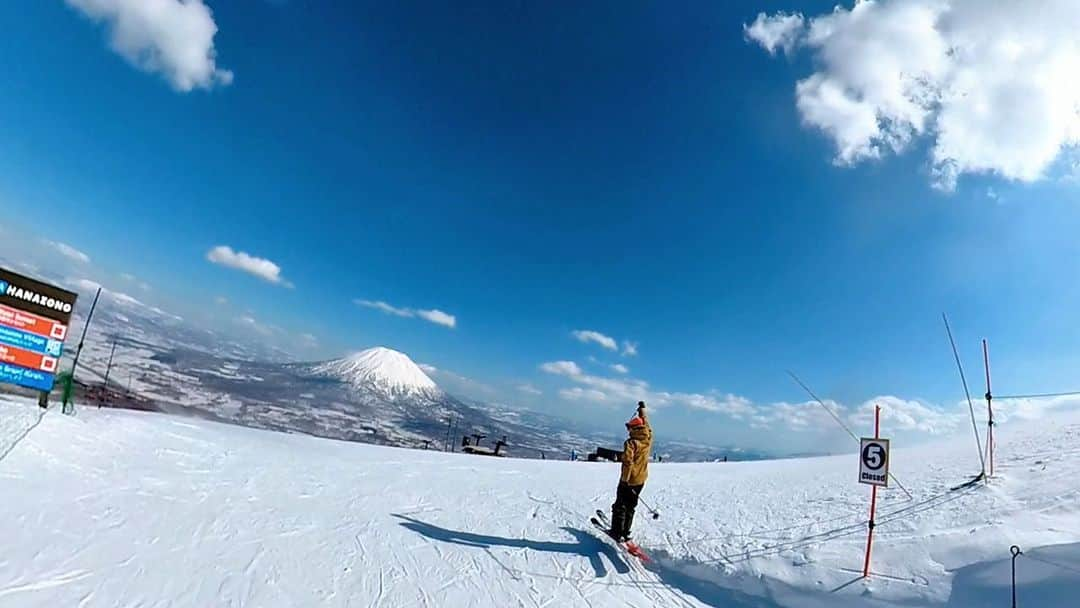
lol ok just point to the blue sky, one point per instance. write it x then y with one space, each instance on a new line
649 174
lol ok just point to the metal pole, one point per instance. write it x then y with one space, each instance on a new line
971 408
1016 552
78 350
989 409
654 512
108 369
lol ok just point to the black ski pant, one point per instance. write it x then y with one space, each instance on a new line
622 512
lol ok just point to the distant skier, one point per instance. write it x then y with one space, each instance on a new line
635 470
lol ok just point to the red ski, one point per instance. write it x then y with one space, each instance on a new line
629 546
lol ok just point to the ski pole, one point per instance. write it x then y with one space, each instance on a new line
654 512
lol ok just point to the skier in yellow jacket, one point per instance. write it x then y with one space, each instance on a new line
635 470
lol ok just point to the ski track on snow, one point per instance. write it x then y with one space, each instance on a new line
116 508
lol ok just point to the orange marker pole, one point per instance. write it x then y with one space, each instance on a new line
873 499
989 410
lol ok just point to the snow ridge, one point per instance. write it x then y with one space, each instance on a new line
386 371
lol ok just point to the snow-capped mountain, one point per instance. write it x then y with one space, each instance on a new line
385 371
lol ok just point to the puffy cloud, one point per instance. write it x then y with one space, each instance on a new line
991 83
732 405
239 260
385 308
435 316
629 349
1032 408
172 37
908 415
780 31
69 252
588 335
619 368
438 317
562 368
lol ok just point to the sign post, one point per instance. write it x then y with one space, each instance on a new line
873 470
989 410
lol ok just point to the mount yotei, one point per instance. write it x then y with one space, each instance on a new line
379 395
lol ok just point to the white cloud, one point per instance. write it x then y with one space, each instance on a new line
172 37
529 389
90 287
804 416
562 368
908 415
584 394
619 368
221 300
991 83
588 335
435 316
731 405
384 307
629 349
1030 408
87 285
438 317
600 388
239 260
308 340
430 369
780 31
69 252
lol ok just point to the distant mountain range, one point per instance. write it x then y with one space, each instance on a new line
378 395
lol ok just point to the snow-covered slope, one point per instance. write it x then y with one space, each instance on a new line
118 508
383 370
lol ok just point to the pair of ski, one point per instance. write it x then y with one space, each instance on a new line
601 521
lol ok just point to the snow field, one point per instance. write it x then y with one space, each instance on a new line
119 508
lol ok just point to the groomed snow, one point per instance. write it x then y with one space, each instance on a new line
118 508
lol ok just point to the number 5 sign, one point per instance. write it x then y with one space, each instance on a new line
874 461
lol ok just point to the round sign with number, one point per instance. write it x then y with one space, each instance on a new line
874 461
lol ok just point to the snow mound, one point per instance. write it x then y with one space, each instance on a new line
383 370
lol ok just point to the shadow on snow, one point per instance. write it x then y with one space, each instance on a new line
669 575
585 545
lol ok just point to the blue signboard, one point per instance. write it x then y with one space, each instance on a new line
31 342
26 377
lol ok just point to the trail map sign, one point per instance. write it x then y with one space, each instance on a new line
34 319
874 461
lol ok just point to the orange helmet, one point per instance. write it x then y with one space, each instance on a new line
634 422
